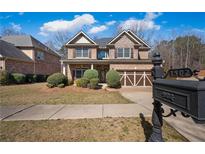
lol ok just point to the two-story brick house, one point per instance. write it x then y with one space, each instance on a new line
40 59
126 53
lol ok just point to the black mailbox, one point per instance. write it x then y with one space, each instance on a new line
183 95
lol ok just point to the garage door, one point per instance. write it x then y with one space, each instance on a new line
136 78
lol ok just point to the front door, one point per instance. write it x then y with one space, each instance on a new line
102 70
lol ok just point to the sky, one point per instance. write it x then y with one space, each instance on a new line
103 24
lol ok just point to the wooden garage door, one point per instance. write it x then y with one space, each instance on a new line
136 78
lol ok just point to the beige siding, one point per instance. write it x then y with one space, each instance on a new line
29 53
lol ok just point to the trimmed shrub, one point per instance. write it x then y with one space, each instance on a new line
49 85
113 79
18 78
61 85
82 82
4 78
94 83
30 78
78 82
56 79
90 74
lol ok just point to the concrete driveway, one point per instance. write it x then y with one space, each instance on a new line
185 126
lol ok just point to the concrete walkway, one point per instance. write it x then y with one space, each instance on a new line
185 126
45 112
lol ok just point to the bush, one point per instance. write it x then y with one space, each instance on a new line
82 82
4 78
113 79
94 83
30 78
90 74
49 85
61 85
18 78
56 79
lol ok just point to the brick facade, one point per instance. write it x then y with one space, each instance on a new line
17 66
131 66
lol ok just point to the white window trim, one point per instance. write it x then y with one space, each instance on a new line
123 52
82 57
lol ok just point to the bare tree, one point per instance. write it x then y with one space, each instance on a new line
6 31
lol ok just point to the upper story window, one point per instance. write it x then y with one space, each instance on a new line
82 52
123 53
102 55
40 55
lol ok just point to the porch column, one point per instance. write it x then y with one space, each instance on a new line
64 69
91 66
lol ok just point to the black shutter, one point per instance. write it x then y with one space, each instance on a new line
131 52
115 53
74 53
89 53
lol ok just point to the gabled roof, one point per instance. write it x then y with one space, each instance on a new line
120 34
78 34
27 41
8 50
138 38
102 42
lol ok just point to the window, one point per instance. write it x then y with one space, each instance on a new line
40 55
102 54
79 73
123 53
82 52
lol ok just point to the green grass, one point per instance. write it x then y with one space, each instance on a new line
104 129
40 94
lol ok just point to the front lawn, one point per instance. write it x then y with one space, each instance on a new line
104 129
39 93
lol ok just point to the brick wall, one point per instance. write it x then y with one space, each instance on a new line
143 54
50 64
16 66
131 66
71 53
124 42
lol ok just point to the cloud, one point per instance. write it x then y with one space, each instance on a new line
67 25
97 29
110 23
16 27
147 23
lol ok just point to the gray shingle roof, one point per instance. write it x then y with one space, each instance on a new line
10 51
102 42
27 41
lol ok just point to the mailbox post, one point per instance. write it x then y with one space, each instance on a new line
157 120
185 96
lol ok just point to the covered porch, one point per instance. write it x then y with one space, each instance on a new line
75 71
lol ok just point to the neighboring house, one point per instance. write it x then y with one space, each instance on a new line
43 60
126 53
14 60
